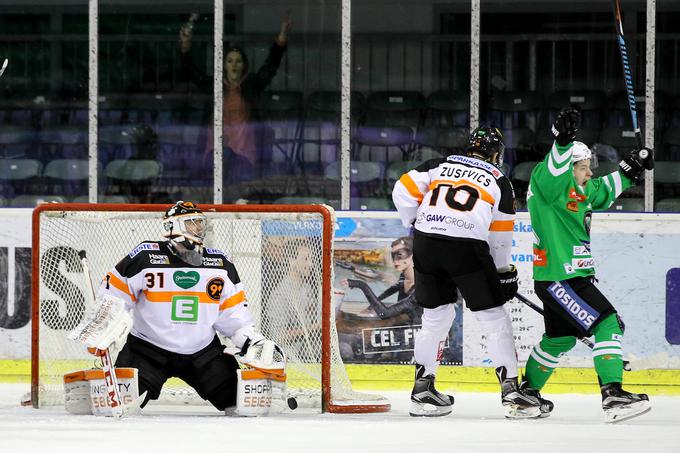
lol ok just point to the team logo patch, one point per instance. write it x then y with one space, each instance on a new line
583 263
574 305
540 257
581 250
158 259
214 288
143 246
184 309
572 206
208 261
186 280
576 196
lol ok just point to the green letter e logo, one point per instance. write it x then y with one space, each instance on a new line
184 308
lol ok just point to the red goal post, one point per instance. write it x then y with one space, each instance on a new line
263 241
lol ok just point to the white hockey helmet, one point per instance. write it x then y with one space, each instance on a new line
580 151
185 223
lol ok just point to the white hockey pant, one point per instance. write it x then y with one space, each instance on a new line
496 325
430 339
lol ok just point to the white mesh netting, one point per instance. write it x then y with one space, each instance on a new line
279 257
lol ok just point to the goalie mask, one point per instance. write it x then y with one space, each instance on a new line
185 226
486 143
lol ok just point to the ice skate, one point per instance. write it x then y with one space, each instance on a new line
620 405
426 401
516 403
546 405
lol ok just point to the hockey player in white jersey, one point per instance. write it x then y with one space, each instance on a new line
180 295
462 211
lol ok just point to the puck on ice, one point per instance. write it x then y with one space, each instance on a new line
292 403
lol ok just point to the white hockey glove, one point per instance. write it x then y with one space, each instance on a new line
105 326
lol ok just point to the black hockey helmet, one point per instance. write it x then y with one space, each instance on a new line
485 142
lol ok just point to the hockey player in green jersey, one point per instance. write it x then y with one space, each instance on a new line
561 197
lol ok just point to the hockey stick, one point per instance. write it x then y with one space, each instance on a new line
4 66
585 341
628 78
107 363
118 409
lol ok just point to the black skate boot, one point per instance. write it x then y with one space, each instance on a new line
517 404
426 401
546 405
620 405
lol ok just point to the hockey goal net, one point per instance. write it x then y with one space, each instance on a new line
283 255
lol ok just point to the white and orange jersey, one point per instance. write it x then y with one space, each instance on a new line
177 306
459 197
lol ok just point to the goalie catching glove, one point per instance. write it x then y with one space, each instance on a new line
105 326
262 380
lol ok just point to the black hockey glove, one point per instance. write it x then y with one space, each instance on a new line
566 125
509 282
635 163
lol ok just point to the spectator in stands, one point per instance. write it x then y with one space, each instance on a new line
244 139
292 324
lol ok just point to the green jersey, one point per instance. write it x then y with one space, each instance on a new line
561 212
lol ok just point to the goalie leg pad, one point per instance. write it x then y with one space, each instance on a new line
86 393
259 393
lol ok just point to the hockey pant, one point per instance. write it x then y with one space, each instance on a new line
496 325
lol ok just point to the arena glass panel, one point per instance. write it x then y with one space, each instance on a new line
536 60
43 102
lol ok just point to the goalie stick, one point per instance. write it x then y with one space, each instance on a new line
585 341
117 407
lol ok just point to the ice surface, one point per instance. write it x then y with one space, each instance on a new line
476 425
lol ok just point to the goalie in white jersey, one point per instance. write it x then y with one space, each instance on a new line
180 294
462 211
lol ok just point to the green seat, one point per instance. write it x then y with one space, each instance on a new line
522 171
667 172
118 199
372 204
668 205
30 201
605 168
628 204
19 169
397 169
442 137
133 170
68 169
360 171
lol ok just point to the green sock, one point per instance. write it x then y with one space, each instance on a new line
607 352
544 359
